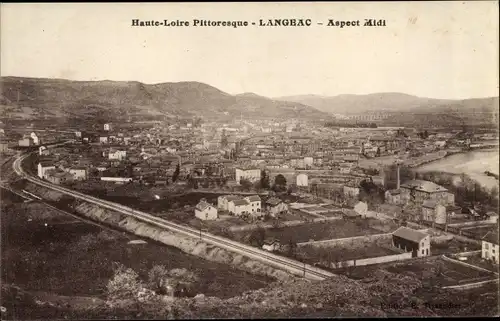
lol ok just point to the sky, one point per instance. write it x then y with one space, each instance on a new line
431 49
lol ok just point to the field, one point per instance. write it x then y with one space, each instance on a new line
476 260
332 214
43 250
453 246
434 271
313 255
318 231
480 231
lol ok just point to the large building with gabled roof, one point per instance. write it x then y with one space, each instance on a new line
410 240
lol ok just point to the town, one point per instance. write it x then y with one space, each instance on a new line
286 187
291 168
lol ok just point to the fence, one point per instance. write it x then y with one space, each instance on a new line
351 240
470 285
470 253
474 223
250 227
348 240
467 265
374 260
458 233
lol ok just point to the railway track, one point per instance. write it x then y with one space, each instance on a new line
289 265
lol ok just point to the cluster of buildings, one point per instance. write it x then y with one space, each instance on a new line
29 140
240 206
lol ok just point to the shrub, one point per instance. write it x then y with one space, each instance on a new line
124 285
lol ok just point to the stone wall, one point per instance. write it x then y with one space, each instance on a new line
374 260
357 240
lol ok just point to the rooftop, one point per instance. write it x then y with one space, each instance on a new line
409 234
425 186
231 197
240 202
273 201
254 198
202 205
491 237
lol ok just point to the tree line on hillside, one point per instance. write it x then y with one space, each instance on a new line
279 185
350 124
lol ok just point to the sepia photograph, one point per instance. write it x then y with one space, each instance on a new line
249 160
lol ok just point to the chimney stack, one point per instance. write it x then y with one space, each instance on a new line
398 179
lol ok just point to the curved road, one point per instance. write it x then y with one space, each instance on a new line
289 265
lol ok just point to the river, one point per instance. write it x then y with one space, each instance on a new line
473 163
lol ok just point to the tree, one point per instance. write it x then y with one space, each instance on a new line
257 236
280 182
159 280
176 173
493 193
223 139
246 184
124 285
192 183
292 249
209 171
276 223
264 179
292 189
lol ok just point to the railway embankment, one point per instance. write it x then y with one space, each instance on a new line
189 245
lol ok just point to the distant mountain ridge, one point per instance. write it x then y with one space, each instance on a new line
121 99
392 102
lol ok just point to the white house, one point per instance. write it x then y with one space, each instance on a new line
302 180
254 204
43 168
238 207
492 217
308 161
35 138
253 175
117 154
26 141
205 211
489 248
440 143
222 201
275 206
103 139
271 245
107 127
42 150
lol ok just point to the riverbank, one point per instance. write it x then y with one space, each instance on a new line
473 163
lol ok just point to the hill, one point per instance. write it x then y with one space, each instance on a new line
115 100
390 102
403 109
